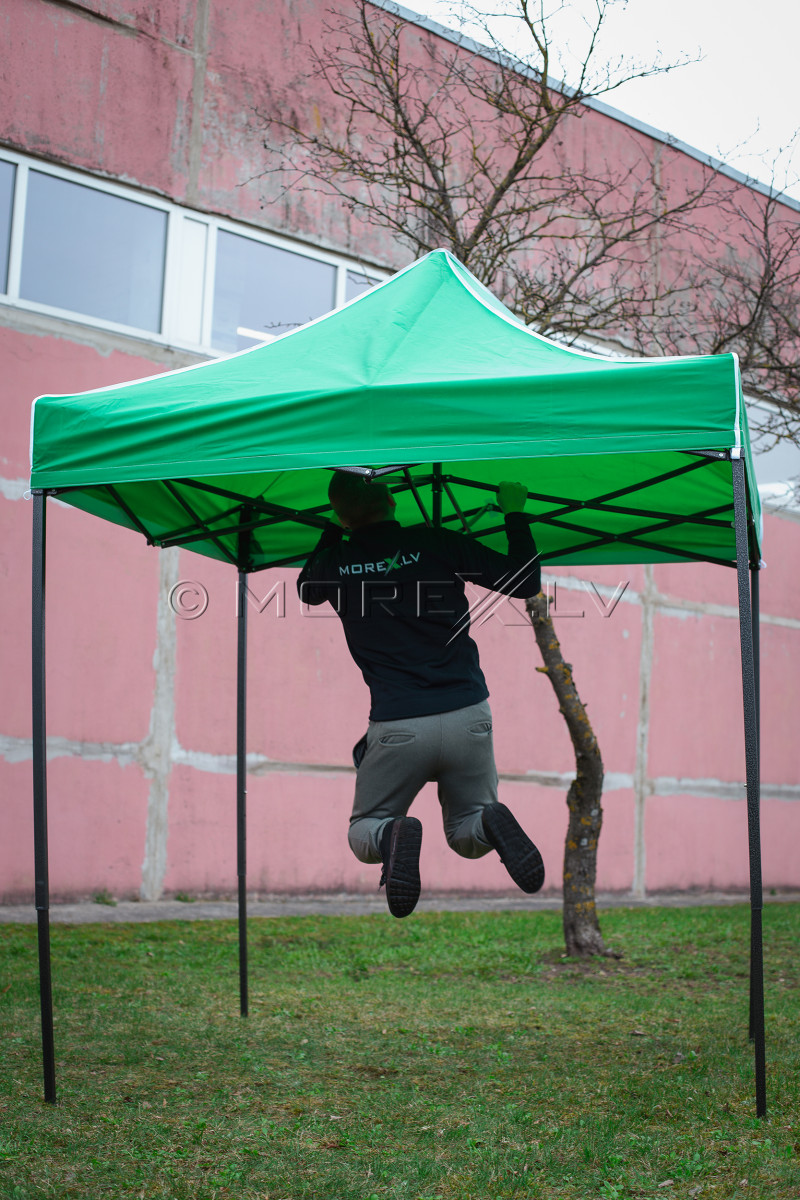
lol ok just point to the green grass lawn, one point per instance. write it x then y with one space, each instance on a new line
455 1056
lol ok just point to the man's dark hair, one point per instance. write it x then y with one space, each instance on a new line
357 501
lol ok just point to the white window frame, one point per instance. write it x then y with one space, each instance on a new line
179 287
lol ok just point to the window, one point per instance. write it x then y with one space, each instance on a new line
357 283
261 291
109 256
93 253
7 173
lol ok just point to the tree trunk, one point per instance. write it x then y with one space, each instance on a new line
581 927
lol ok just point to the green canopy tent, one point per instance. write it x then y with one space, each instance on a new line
429 380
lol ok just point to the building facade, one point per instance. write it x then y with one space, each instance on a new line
142 229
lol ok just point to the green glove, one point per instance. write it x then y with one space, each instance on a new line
512 496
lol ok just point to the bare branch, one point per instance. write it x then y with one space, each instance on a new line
486 155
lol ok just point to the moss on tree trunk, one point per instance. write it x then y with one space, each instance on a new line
581 926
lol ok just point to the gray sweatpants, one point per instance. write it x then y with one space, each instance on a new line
454 749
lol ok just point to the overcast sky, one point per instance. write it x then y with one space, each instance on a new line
744 90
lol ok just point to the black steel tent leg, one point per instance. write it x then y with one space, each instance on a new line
40 797
436 505
750 697
241 785
757 674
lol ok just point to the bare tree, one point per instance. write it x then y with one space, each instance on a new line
443 145
582 934
446 144
741 292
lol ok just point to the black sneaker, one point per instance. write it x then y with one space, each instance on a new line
517 852
400 847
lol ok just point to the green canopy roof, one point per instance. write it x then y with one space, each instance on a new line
626 460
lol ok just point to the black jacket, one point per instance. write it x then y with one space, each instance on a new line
400 595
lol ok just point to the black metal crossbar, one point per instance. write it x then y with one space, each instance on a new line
646 483
667 522
632 538
115 496
200 523
459 515
202 535
293 560
598 503
656 519
186 532
413 486
626 511
179 537
469 515
175 535
301 516
462 516
214 527
694 519
254 546
689 555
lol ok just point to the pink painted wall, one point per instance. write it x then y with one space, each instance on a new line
141 711
210 75
308 705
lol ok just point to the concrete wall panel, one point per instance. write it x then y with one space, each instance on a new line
142 704
601 574
236 174
698 842
205 678
778 584
695 842
297 833
69 84
102 586
96 825
530 732
96 828
307 701
16 845
443 870
15 628
701 583
42 364
780 837
780 704
696 718
305 657
615 852
297 836
167 21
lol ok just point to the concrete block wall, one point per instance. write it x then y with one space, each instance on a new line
141 717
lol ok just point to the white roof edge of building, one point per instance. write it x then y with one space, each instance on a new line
606 110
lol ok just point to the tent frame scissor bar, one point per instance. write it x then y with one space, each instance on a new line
747 567
269 513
